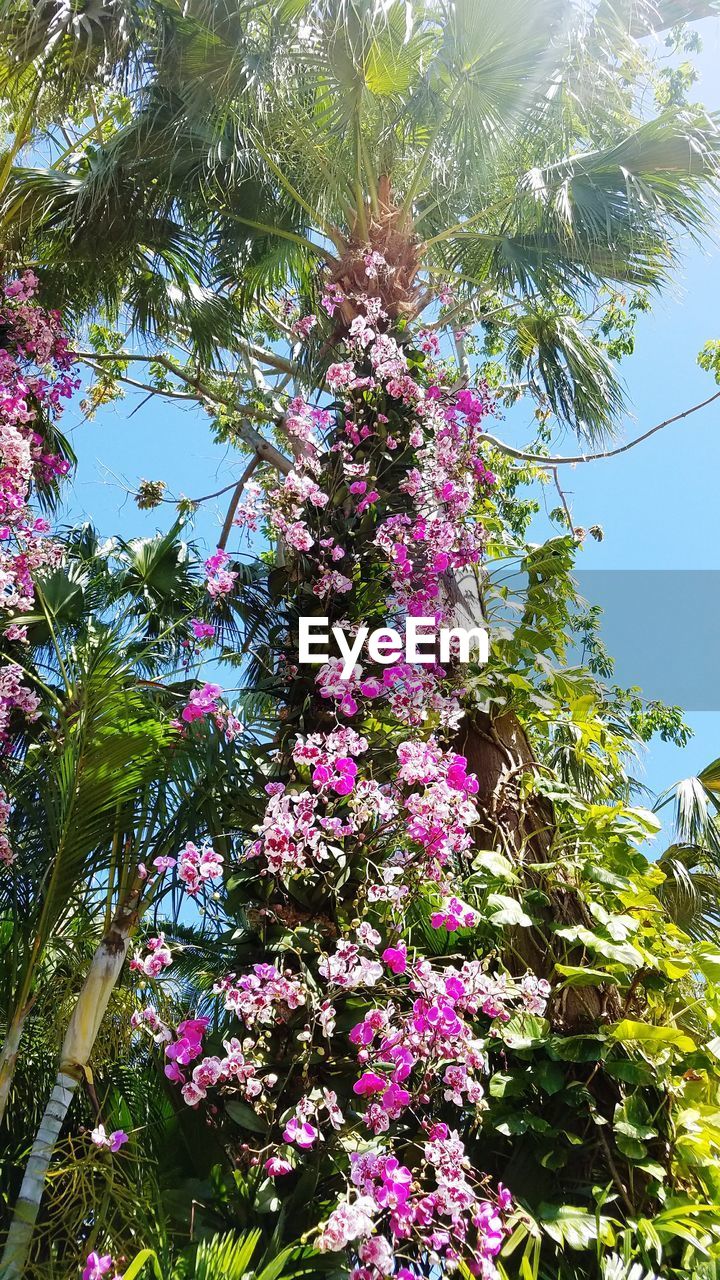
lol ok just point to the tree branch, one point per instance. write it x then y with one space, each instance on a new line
142 386
551 461
564 501
228 522
266 451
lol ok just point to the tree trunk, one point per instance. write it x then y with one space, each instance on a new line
498 753
9 1053
78 1044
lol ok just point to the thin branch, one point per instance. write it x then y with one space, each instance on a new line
555 461
564 501
206 497
142 386
280 324
141 405
228 522
260 354
270 358
262 447
614 1172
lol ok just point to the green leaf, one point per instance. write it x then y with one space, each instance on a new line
588 1048
138 1262
524 1030
632 1117
568 1225
507 1084
549 1075
579 976
622 953
708 962
633 1148
507 911
244 1116
226 1257
496 864
652 1037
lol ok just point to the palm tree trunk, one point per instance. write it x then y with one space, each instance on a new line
498 753
9 1053
77 1046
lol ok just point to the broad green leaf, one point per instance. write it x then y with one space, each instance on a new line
496 864
523 1031
244 1116
652 1037
579 976
569 1225
139 1262
507 911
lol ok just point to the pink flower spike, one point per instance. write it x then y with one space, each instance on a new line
117 1139
202 630
301 1133
369 1083
97 1265
396 958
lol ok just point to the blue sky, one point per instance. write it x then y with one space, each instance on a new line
658 504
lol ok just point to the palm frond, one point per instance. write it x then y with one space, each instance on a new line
230 1257
578 380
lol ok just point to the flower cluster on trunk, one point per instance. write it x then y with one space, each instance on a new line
35 379
385 488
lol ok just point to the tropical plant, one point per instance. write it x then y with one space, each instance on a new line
103 783
260 144
453 968
692 861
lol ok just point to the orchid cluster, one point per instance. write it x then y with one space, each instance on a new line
239 1069
407 1054
206 701
235 1069
158 958
220 580
15 696
439 1212
418 1047
35 379
99 1265
198 867
112 1141
430 800
250 510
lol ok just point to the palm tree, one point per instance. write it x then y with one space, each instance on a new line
100 722
691 863
484 146
469 144
474 142
104 786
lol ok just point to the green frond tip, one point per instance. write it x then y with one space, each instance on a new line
569 368
233 1257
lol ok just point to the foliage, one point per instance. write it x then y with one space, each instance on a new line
257 144
445 963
